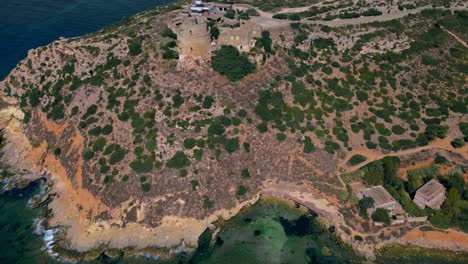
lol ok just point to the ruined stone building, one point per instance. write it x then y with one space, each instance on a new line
243 37
431 194
193 33
193 36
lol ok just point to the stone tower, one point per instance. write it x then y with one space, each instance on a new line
194 38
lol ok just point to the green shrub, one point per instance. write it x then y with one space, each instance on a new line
198 154
99 144
458 143
429 171
308 145
146 187
208 102
183 172
440 220
27 117
57 151
245 173
169 54
262 127
214 31
356 159
117 156
107 129
95 131
195 184
207 203
178 161
230 14
231 144
88 154
280 136
398 130
34 97
142 166
241 190
216 128
189 143
134 45
167 32
439 159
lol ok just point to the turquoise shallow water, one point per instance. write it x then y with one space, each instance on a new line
27 24
270 232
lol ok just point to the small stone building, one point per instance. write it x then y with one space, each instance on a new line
199 8
431 194
382 199
194 37
243 37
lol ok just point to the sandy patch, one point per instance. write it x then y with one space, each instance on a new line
51 126
450 239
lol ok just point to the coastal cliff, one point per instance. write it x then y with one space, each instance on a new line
144 152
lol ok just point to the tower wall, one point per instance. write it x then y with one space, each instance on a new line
194 38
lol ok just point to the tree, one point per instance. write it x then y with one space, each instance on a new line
364 204
373 173
414 182
449 206
391 166
232 64
381 215
440 220
214 31
231 144
458 143
264 42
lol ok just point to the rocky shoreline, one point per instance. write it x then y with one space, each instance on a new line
118 240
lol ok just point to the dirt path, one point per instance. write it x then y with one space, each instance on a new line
268 22
461 41
282 10
373 155
381 18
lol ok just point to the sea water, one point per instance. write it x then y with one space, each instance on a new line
28 24
21 238
270 231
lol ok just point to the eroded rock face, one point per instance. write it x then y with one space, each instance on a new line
15 146
144 151
103 123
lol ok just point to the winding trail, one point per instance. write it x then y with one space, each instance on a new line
373 155
268 22
461 41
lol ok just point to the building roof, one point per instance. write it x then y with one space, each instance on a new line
230 22
223 5
380 195
430 190
214 16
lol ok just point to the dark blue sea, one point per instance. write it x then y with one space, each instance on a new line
27 24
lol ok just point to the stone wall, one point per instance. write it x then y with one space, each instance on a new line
243 38
194 38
